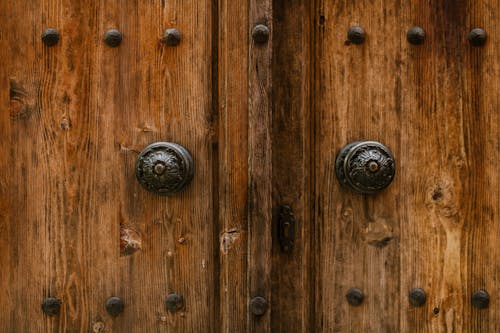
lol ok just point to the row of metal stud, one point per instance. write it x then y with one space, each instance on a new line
171 36
417 297
51 306
260 34
415 36
112 37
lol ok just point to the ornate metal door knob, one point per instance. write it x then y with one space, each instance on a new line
365 166
164 168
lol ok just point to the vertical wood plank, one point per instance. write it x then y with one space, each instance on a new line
452 198
77 116
356 98
233 164
291 150
259 164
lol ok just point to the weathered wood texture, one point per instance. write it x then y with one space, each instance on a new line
436 106
264 123
77 116
244 164
291 274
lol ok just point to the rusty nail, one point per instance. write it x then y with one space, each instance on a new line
355 296
51 306
258 306
260 33
114 306
417 297
415 36
477 37
481 299
113 37
356 35
50 36
171 37
174 303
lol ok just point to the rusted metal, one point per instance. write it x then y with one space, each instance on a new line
286 228
480 299
114 306
174 303
260 33
477 37
172 37
365 166
51 306
164 168
355 296
356 35
113 37
258 306
50 36
417 297
415 36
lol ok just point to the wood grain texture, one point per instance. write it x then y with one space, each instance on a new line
86 111
291 275
448 241
233 64
264 123
260 165
356 99
434 106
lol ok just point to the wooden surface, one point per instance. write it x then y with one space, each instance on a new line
264 124
436 106
84 112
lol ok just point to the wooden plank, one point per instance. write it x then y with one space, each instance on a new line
291 164
233 164
356 98
452 202
91 109
259 164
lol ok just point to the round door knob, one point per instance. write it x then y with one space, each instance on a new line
164 168
365 166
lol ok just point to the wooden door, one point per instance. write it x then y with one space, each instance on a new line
264 119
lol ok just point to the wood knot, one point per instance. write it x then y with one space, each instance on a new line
21 105
227 239
65 123
441 197
379 233
130 241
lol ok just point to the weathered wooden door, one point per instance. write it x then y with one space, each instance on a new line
263 95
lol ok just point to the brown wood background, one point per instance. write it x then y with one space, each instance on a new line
264 124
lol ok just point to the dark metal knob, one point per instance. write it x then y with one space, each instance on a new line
365 166
164 168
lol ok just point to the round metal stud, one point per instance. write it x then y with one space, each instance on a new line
356 35
480 299
355 297
50 36
164 168
51 306
365 166
113 37
258 306
172 37
115 306
260 34
415 36
417 297
174 303
477 37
